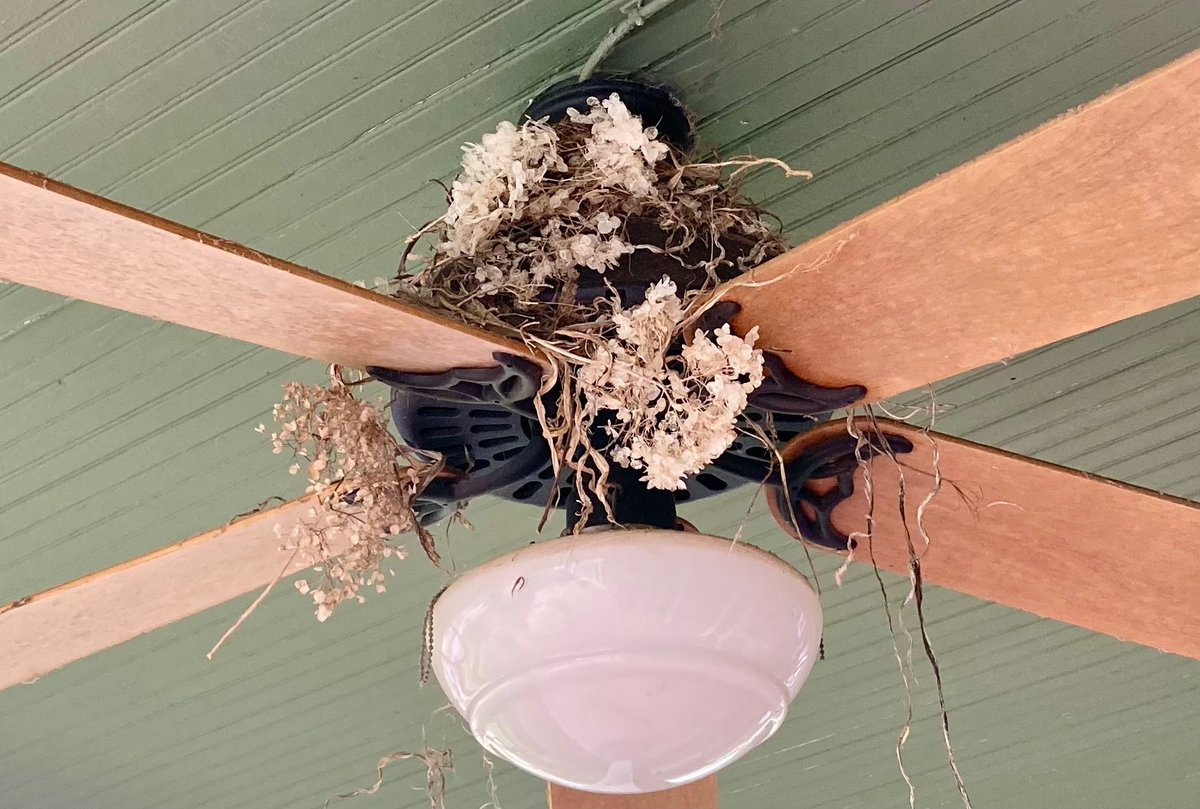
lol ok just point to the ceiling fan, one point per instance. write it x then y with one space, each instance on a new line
1086 221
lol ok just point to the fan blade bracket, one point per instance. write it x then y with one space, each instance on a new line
819 476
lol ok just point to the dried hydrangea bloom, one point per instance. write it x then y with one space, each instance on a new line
495 183
622 152
675 413
533 204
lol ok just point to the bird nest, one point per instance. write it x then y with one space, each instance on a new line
544 224
537 208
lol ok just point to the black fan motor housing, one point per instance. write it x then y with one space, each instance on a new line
501 450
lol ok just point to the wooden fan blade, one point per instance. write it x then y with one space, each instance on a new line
60 239
1058 543
1087 220
44 632
700 794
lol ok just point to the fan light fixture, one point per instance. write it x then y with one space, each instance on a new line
626 661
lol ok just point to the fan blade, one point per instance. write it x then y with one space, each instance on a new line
1088 220
1058 543
700 794
60 239
44 632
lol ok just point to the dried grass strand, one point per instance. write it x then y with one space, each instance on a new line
862 459
916 593
254 604
437 763
489 767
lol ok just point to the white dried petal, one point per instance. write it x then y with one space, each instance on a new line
336 431
675 414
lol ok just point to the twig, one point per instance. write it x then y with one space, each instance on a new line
937 673
917 592
493 798
253 606
256 509
744 164
636 14
714 21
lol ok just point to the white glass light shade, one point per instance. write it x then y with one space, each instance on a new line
626 661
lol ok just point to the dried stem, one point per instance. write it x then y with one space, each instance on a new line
365 485
636 15
489 767
254 605
437 763
861 453
916 596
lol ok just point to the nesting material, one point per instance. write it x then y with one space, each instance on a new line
537 205
365 482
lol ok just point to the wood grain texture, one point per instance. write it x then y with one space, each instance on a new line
64 240
44 632
1058 543
700 794
1086 221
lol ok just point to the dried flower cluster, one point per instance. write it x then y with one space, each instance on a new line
675 411
535 203
365 483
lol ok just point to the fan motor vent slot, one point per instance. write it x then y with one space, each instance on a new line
488 428
488 413
437 411
527 490
498 441
441 432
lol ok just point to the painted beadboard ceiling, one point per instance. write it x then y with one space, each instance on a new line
311 129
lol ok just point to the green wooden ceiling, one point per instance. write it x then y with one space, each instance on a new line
310 129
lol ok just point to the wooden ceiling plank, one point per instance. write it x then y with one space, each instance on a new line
1086 221
73 243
